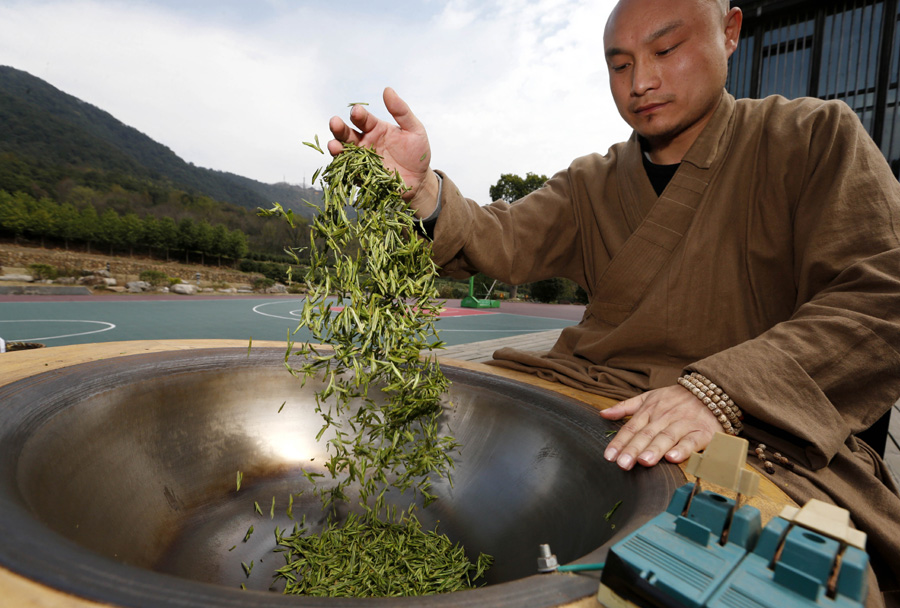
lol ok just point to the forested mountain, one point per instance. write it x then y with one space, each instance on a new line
48 136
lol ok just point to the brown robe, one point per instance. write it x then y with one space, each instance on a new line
770 263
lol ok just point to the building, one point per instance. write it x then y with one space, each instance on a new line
831 49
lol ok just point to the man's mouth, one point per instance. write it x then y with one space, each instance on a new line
647 108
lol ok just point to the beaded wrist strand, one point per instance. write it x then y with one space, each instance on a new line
719 403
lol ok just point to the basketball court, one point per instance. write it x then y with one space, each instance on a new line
63 320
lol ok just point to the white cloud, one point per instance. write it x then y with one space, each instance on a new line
502 86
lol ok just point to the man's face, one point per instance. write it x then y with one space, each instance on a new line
667 63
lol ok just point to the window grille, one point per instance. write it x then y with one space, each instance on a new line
847 50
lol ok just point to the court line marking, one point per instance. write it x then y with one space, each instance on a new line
295 314
108 327
479 331
265 314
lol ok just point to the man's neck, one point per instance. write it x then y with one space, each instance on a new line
672 150
664 155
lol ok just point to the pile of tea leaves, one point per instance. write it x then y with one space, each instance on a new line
367 557
371 308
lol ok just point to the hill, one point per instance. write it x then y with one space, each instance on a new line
48 136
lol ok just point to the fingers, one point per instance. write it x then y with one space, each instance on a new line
655 441
335 147
362 119
693 442
623 408
342 134
399 109
369 126
403 146
667 423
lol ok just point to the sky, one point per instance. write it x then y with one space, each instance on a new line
502 86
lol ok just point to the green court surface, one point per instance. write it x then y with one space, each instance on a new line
60 322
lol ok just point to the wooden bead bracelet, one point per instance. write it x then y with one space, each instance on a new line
713 397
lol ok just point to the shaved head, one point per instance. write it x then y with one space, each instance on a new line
668 62
720 6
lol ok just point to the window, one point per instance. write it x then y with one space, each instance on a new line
850 43
786 58
740 71
890 135
831 49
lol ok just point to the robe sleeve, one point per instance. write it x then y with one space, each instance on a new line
833 368
532 239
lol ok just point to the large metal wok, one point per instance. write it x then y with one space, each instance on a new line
117 481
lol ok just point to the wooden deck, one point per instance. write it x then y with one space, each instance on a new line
479 352
482 351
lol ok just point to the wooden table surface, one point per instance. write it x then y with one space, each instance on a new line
20 592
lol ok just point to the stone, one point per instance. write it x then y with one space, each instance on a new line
228 290
109 282
185 289
137 286
276 288
19 278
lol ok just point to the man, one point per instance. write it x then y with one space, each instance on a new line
754 243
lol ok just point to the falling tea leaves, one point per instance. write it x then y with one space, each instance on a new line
372 302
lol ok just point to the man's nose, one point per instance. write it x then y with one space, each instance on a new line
644 77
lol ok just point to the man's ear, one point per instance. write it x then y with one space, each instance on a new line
733 20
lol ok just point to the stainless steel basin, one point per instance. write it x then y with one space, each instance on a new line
117 481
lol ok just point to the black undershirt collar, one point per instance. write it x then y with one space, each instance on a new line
660 175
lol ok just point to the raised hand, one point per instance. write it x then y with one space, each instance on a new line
404 147
665 423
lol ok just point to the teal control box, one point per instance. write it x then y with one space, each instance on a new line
704 550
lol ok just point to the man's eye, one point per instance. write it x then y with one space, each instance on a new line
621 67
665 52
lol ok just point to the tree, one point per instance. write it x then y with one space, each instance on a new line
187 238
235 245
168 235
41 218
81 196
581 296
510 187
203 239
152 237
67 222
548 290
88 226
132 231
110 231
13 213
219 240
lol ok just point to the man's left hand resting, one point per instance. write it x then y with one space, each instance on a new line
665 423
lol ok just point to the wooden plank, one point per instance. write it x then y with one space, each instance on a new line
484 350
